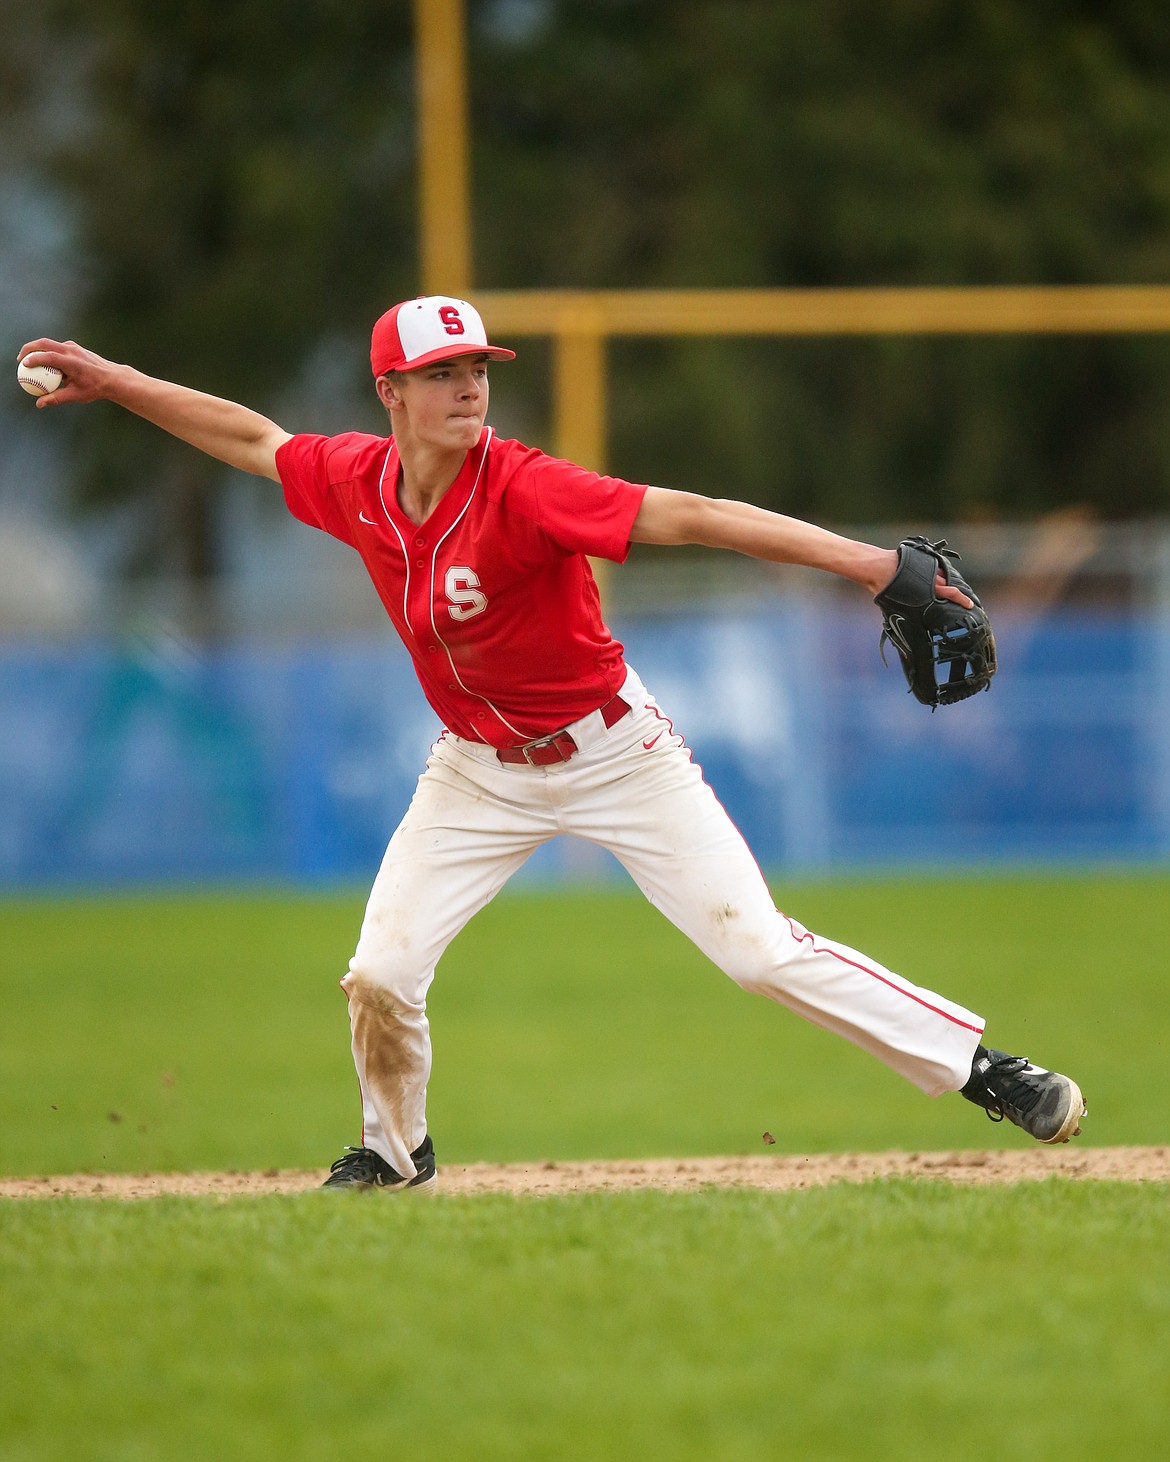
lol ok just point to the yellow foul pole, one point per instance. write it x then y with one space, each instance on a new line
579 395
445 254
1027 309
582 321
444 192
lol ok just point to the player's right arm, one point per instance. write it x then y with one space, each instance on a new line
230 432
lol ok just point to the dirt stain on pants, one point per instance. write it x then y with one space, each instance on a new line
386 1049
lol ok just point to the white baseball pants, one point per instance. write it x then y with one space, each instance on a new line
634 789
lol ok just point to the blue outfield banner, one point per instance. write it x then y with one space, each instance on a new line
158 763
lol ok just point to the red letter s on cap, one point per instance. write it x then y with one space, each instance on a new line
451 321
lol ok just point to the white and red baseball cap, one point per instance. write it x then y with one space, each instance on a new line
432 327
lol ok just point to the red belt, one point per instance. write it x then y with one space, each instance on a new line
560 746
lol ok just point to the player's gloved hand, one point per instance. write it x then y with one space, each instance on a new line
947 648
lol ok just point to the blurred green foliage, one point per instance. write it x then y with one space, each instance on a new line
244 186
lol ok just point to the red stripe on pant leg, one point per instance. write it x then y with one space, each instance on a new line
682 740
865 970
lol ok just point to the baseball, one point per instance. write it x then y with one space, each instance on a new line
38 380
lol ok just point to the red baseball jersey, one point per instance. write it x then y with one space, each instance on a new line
493 595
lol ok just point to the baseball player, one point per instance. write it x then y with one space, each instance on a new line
478 548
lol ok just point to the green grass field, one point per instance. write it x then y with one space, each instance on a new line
894 1320
899 1321
210 1032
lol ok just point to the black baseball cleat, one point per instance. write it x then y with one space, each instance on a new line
1048 1106
362 1167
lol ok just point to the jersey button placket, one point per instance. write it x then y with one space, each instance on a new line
418 612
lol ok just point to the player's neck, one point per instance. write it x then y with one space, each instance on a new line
425 474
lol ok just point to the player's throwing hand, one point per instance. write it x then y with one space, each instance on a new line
86 376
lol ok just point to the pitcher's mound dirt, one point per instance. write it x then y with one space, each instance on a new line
1118 1164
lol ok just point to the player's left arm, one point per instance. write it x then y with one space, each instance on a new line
670 517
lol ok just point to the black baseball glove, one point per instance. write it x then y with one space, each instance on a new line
947 652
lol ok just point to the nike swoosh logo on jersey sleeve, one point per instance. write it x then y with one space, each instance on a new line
646 745
364 519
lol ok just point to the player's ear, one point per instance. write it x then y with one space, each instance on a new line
389 389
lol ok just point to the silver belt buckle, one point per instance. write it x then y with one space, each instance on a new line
531 746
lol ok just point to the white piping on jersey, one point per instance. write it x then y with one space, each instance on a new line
401 540
431 598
